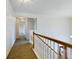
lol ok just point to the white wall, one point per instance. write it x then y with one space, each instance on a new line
59 27
10 28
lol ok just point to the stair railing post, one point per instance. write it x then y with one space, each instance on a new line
33 39
65 53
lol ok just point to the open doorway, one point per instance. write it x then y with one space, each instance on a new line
24 28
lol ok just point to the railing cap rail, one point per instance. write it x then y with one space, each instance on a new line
55 40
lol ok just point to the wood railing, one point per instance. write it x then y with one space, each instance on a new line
61 44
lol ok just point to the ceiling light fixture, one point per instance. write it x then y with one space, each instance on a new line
25 1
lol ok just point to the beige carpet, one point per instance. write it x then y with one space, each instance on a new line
23 51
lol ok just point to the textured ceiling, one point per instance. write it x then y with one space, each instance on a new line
41 6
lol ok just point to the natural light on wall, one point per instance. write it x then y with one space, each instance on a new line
25 1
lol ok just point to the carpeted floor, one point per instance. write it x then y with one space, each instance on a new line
23 51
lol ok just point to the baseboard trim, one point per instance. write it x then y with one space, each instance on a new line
10 49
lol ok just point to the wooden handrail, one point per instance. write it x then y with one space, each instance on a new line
55 40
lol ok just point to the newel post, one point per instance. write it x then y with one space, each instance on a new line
33 39
65 53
